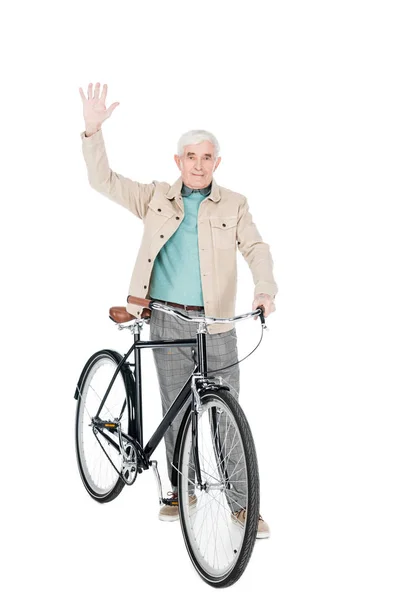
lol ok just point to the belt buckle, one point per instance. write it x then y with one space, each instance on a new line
167 302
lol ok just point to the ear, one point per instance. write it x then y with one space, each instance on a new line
177 159
217 163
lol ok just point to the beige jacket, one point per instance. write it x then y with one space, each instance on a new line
224 224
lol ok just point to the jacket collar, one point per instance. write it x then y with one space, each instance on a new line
187 191
176 189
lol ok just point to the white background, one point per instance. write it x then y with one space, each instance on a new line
304 99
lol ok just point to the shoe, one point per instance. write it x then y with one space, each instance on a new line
239 516
170 511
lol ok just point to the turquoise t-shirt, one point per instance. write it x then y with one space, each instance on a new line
176 272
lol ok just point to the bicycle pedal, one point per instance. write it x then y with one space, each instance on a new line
170 501
100 423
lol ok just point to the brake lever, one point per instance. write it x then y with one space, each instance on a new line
262 317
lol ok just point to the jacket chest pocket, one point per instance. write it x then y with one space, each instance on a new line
156 218
223 231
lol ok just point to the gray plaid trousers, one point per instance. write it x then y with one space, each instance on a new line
174 366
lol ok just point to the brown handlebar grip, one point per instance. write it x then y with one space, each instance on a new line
140 301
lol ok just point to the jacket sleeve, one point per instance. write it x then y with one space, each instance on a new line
256 252
132 195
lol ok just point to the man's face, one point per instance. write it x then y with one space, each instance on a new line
197 164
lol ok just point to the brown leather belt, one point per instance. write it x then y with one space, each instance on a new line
184 306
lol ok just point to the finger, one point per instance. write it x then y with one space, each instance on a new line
89 91
110 110
97 90
82 94
104 93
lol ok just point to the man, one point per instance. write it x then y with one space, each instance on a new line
187 258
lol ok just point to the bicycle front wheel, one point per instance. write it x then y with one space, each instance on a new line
99 460
218 543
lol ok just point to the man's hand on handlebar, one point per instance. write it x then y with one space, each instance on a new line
266 302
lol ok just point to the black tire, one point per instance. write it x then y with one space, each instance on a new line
232 572
124 388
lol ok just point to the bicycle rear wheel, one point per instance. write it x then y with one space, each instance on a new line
218 545
100 461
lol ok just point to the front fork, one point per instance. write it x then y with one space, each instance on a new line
196 409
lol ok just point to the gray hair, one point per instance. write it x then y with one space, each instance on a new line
196 136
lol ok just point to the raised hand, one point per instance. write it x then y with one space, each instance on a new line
94 107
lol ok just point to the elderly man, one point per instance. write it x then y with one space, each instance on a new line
187 258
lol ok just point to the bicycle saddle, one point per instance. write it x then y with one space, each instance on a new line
119 314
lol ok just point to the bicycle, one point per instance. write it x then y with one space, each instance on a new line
215 460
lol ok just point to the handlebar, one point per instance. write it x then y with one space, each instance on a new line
153 304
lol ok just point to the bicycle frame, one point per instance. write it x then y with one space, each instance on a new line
198 381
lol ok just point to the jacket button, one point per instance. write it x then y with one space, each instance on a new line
161 235
177 218
149 259
238 243
159 209
145 286
223 225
